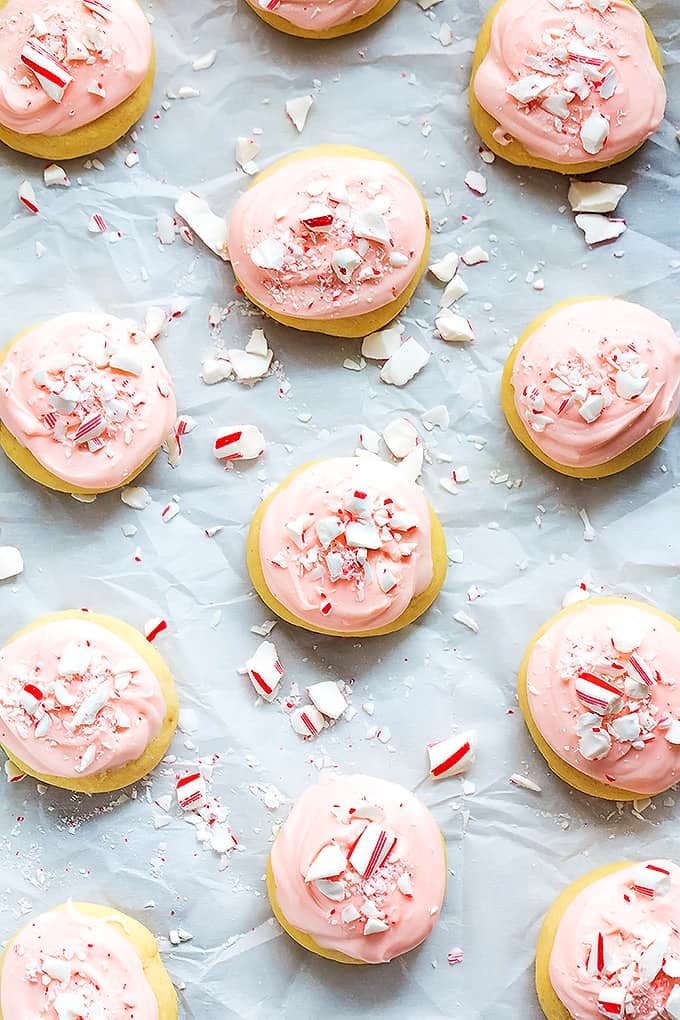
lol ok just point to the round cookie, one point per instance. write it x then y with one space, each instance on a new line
78 86
357 873
347 590
598 692
592 386
103 435
332 239
321 21
87 956
610 942
86 703
603 84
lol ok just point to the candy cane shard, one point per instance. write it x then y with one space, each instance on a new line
50 73
327 698
154 627
673 1003
332 890
371 849
307 721
191 792
328 863
452 756
611 1002
651 961
100 7
375 926
265 670
598 694
600 959
652 880
239 442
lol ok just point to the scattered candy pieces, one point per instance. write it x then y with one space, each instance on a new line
211 229
382 345
327 698
239 442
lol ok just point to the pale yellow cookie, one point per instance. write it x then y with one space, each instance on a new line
355 25
515 152
116 779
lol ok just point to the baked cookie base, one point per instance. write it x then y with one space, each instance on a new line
146 948
416 608
350 326
565 771
355 25
551 1005
619 463
132 772
515 153
33 469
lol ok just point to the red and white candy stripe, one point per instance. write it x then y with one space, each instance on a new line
239 442
100 7
90 427
452 756
598 694
371 849
191 792
611 1001
153 628
307 721
599 957
328 863
639 670
652 880
27 197
52 76
31 699
265 670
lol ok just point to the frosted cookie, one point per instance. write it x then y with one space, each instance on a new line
74 75
593 386
357 873
85 402
325 20
600 692
333 240
610 946
84 961
86 703
348 547
566 85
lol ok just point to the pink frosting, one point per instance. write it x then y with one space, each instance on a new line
107 57
585 64
346 544
595 378
636 739
328 237
76 700
67 965
621 946
89 397
405 892
318 16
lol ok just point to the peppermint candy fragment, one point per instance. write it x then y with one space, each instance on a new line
627 727
246 151
372 226
97 224
191 792
318 218
27 197
594 133
371 849
362 535
90 428
673 1003
154 627
476 182
307 721
629 386
452 756
651 961
211 229
328 863
244 442
100 7
50 73
268 254
344 263
11 562
598 229
375 926
405 363
595 196
526 89
336 891
400 437
55 175
453 328
328 529
592 407
327 698
445 269
652 880
598 694
297 111
265 670
598 957
136 497
382 345
594 743
639 670
611 1002
475 256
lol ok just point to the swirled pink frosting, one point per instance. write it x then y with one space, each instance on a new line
404 893
617 948
567 63
107 57
76 700
346 544
67 965
595 378
89 397
328 237
636 740
318 16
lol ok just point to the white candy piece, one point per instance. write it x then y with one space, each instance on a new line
344 263
611 1002
400 437
328 529
350 914
517 779
59 970
265 670
382 345
239 442
297 110
55 175
652 880
529 88
652 959
453 328
672 732
328 863
74 660
372 226
626 727
375 926
597 694
307 721
70 1006
336 891
404 884
211 229
673 1003
629 386
362 535
249 367
475 256
136 496
592 407
453 292
476 182
11 562
91 707
155 321
371 849
405 363
215 370
453 756
595 196
436 417
268 254
52 76
594 744
245 153
446 268
558 104
327 698
594 133
598 229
